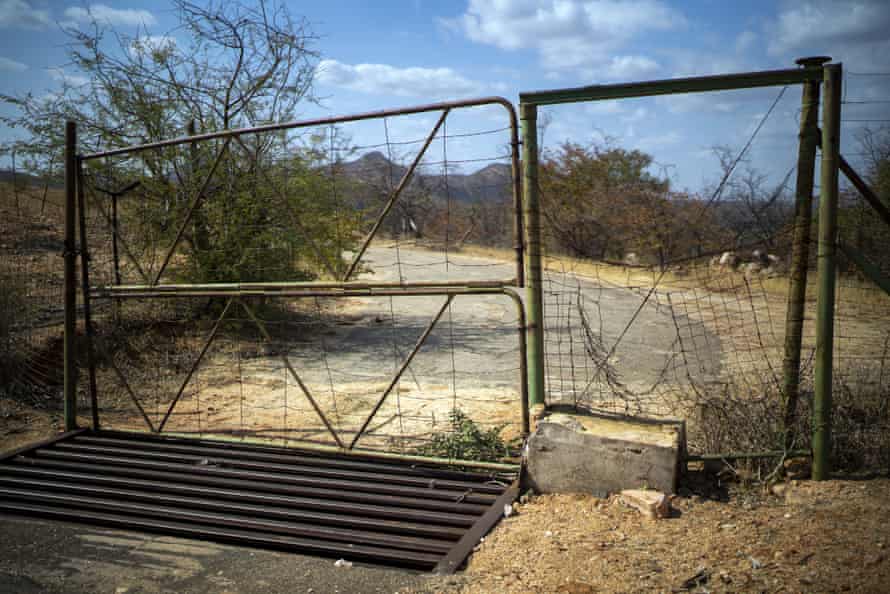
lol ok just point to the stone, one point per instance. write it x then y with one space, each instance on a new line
583 452
652 504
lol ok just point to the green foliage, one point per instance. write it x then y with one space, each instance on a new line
467 441
268 210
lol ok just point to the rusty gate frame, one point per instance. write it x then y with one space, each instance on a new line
240 292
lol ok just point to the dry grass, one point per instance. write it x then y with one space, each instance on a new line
814 537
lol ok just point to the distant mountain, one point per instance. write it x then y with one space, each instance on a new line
492 182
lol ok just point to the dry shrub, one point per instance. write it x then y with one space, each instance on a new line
732 420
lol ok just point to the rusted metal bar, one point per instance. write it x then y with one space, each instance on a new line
142 451
194 205
195 364
864 189
384 292
403 183
70 254
800 247
271 287
444 521
236 520
874 273
356 453
696 84
456 556
334 458
367 485
402 368
126 385
238 536
505 103
268 484
748 455
85 290
239 505
41 443
523 363
284 358
518 223
828 206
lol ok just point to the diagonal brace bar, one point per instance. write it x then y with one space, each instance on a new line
403 183
262 327
199 197
197 362
861 185
875 274
306 235
125 384
402 368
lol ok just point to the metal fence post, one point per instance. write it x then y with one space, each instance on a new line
70 294
800 248
528 116
828 197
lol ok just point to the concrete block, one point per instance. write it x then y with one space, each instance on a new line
583 452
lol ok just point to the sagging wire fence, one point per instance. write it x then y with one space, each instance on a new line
664 303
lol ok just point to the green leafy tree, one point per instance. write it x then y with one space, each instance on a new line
226 65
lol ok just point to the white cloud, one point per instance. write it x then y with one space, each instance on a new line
7 65
59 75
744 41
822 22
608 107
385 79
569 34
660 140
19 13
107 15
631 67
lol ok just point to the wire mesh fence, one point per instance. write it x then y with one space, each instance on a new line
261 285
661 301
31 304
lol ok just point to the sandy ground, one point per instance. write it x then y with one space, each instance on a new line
812 537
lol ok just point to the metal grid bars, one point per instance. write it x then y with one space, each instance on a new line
366 509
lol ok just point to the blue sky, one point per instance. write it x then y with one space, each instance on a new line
390 53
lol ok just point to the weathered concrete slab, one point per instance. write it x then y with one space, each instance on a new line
578 452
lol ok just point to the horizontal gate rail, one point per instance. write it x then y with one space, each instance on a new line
377 510
695 84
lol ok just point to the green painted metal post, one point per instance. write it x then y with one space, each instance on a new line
528 116
800 247
70 294
828 197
